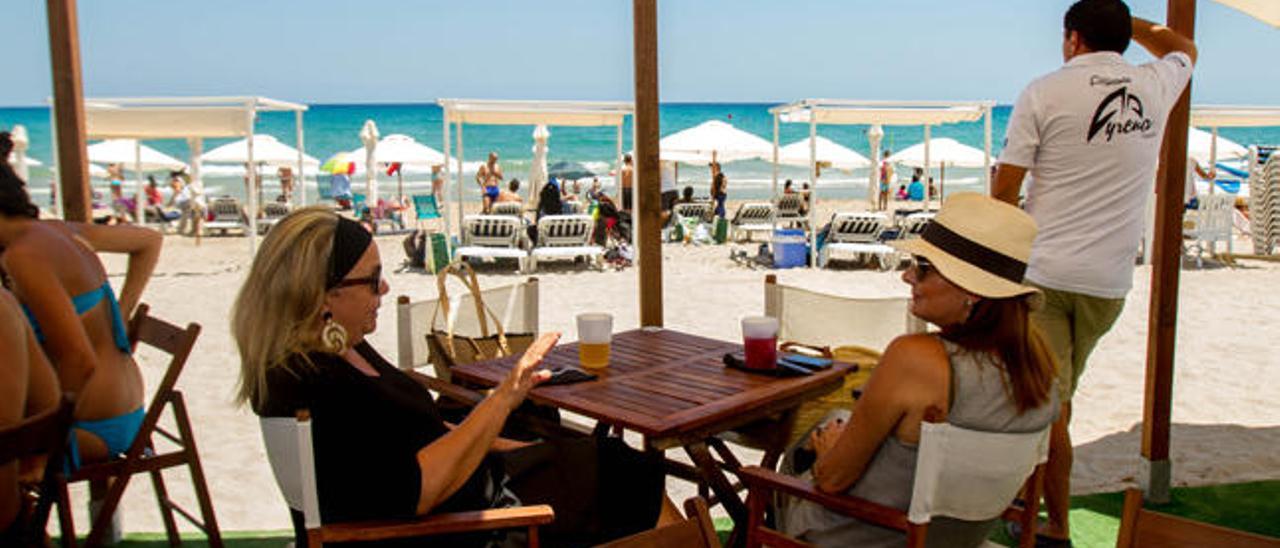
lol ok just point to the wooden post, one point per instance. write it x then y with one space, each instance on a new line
648 210
1163 314
68 109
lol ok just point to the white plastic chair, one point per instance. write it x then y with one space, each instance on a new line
272 213
493 237
913 226
752 217
859 234
1211 223
565 237
693 210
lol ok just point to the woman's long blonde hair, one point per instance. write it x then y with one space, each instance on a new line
277 313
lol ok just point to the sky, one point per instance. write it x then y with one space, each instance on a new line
380 51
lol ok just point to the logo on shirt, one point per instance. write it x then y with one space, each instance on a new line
1119 113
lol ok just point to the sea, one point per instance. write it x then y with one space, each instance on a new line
333 128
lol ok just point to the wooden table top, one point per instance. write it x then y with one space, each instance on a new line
665 384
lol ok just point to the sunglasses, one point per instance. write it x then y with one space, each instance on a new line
922 266
374 281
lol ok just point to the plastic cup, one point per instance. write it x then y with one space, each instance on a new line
595 332
760 342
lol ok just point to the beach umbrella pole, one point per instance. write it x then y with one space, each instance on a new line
137 173
301 180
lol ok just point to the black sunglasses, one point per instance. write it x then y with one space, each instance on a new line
922 266
374 281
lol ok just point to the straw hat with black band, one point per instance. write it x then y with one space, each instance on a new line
978 243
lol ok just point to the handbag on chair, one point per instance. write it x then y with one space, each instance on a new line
449 348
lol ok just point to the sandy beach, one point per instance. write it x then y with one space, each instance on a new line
1226 415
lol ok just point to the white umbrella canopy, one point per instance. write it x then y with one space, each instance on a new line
1267 11
1200 143
266 150
942 151
829 153
403 149
727 143
126 153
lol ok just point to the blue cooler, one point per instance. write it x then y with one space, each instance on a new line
788 248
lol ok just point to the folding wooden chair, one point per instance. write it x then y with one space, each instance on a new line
952 461
1141 527
698 531
42 435
289 448
142 456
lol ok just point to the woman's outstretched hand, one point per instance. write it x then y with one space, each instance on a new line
525 375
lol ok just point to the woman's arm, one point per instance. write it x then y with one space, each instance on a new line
905 381
447 462
141 244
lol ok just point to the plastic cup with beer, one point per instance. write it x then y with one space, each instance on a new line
595 331
760 342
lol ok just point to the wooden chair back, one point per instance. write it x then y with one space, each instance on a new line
143 456
862 227
1140 527
698 531
43 435
288 441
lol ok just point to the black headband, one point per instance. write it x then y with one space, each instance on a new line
974 253
350 239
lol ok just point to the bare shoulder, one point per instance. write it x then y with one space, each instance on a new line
917 357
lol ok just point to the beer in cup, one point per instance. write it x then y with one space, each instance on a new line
595 331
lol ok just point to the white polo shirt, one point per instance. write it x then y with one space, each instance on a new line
1089 135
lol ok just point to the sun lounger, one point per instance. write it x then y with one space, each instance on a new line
493 237
693 210
1209 224
512 209
565 237
788 212
914 225
859 234
227 215
425 207
272 213
752 217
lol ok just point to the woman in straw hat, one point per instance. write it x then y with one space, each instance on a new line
988 367
382 450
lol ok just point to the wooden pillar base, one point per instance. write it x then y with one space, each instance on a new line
1155 478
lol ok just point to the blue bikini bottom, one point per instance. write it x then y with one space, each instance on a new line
117 432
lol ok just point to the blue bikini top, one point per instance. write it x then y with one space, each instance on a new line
85 302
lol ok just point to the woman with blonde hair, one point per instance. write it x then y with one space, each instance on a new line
988 368
382 449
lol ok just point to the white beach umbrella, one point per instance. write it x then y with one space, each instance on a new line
267 150
132 156
1200 148
716 140
398 148
369 136
829 153
1267 11
538 171
942 151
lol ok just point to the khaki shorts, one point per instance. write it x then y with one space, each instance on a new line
1072 324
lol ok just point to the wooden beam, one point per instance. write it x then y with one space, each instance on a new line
68 109
1163 314
648 210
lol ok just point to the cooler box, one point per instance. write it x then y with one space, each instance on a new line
788 248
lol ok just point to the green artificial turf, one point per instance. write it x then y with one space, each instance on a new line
1095 519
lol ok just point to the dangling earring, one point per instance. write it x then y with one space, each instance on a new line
333 335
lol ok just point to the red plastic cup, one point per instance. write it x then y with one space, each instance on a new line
760 342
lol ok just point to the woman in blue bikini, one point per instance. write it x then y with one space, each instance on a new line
53 269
